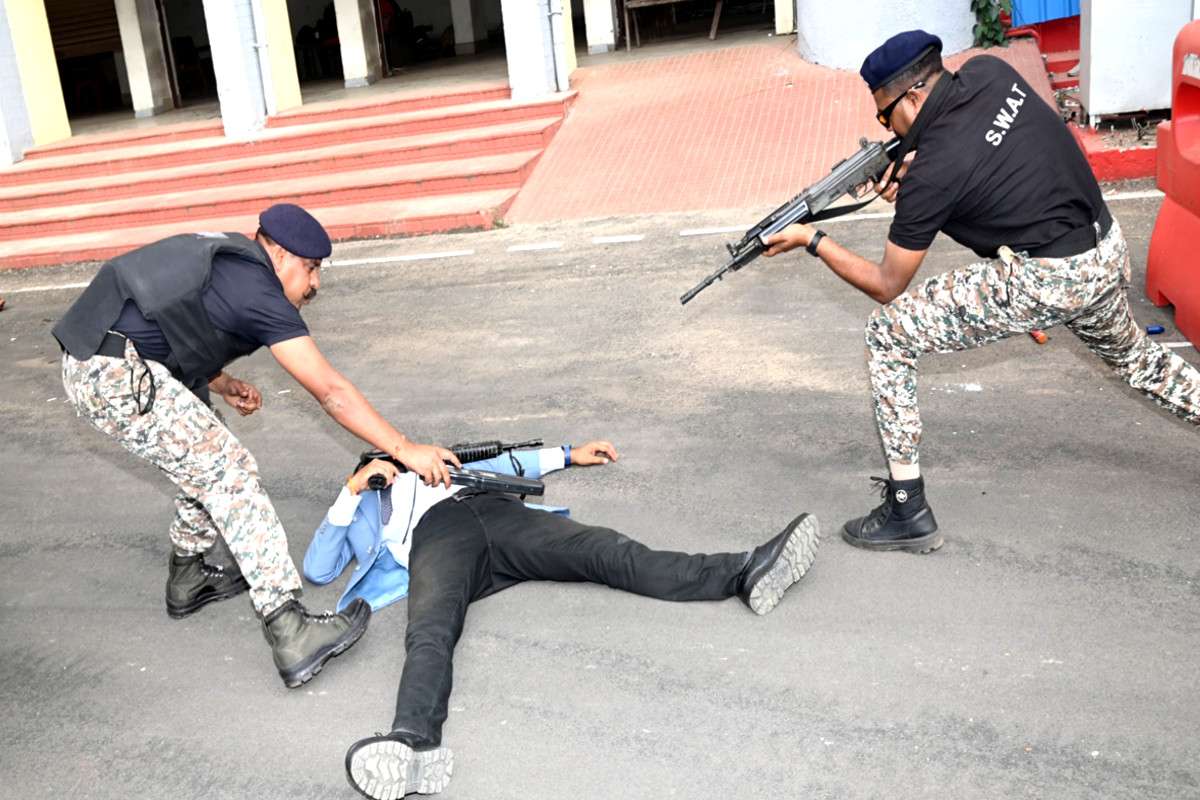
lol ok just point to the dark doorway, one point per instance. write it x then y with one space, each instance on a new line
185 36
91 64
315 35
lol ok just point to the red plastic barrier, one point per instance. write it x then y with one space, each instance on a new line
1172 273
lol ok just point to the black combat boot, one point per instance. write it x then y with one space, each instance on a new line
303 642
903 521
388 766
774 566
192 584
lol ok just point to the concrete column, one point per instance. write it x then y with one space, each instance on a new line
362 64
16 136
280 81
785 16
236 63
534 48
600 26
565 37
469 28
145 60
33 52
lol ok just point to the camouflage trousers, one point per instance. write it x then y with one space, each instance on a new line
220 493
1012 295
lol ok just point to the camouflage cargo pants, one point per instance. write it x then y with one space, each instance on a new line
218 478
1015 294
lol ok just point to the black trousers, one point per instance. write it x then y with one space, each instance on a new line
473 545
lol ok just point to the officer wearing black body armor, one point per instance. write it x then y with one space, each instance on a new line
145 345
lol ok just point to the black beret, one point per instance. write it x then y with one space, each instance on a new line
896 55
296 230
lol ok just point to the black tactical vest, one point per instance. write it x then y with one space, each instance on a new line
166 280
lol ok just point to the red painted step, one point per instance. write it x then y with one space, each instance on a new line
411 217
91 143
292 138
397 103
507 170
456 144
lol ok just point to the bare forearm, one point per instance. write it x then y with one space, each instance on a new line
350 409
868 277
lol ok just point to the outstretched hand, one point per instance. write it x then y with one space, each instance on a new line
592 453
428 461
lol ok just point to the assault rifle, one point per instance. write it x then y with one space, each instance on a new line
865 166
467 452
478 451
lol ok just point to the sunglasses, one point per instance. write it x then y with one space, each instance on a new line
884 115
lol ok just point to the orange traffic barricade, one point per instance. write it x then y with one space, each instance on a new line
1173 266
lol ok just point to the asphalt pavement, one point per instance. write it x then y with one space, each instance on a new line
1047 650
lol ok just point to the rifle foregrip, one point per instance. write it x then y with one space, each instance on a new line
476 451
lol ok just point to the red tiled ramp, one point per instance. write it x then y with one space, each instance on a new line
733 128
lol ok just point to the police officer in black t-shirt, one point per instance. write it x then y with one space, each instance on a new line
997 171
144 346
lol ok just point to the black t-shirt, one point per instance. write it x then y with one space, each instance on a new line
996 167
243 299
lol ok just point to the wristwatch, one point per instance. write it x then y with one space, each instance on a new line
812 245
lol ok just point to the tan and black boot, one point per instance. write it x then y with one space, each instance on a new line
302 642
193 584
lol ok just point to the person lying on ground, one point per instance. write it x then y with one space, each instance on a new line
446 548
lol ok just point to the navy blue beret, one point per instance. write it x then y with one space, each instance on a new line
296 230
896 55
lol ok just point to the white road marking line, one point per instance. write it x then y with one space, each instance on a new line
362 262
633 237
1142 195
1176 345
47 288
710 231
526 248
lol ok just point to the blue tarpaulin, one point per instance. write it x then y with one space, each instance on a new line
1031 12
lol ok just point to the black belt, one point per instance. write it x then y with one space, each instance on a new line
112 345
1072 243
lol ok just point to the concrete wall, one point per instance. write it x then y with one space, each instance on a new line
1125 51
841 34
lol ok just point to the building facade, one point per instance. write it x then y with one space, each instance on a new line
63 58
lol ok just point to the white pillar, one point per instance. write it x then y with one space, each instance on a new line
785 17
361 61
534 48
463 16
232 37
600 25
145 61
16 134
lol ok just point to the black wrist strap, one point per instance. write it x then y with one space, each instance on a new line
816 240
